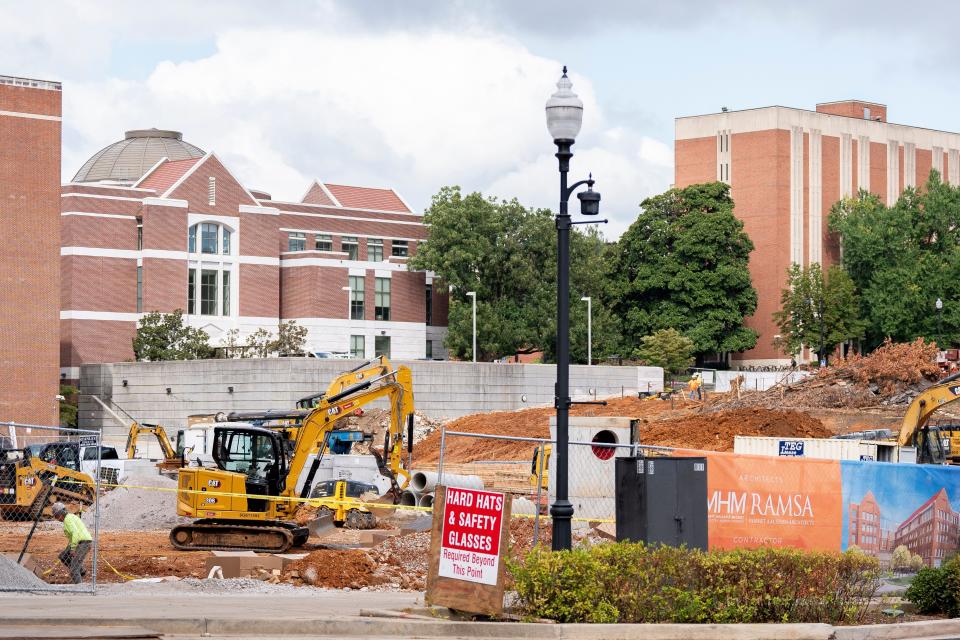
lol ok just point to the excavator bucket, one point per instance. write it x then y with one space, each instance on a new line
321 525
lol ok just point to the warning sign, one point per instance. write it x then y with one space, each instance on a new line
468 535
470 542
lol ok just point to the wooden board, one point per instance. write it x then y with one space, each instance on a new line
461 594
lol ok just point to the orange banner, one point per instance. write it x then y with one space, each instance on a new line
757 501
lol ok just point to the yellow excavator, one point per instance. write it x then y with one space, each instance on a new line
45 473
260 465
934 444
170 458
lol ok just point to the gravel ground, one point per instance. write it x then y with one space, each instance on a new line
13 576
139 509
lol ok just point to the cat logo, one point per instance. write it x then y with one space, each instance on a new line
213 483
29 481
332 411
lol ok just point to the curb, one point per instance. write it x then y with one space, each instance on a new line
355 627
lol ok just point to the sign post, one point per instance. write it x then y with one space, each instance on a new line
469 537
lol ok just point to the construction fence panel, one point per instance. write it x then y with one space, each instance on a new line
525 468
42 468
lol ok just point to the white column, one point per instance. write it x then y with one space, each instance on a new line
893 172
796 195
863 163
815 195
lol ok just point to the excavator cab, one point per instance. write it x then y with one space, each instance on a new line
257 453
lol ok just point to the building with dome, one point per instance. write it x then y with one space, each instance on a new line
154 223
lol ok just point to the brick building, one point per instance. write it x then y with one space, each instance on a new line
865 525
153 223
29 273
932 531
787 167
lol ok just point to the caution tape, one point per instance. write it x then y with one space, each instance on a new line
319 502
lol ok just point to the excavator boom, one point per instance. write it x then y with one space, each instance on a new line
915 429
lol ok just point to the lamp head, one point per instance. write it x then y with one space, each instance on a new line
564 111
939 304
589 199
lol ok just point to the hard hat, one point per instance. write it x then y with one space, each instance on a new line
58 508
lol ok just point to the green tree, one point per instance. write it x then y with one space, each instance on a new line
506 253
68 406
816 312
164 336
291 338
667 348
903 257
684 264
260 344
900 561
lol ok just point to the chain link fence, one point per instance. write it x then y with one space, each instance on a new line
41 466
525 467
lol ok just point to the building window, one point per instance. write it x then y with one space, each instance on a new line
208 292
429 352
375 249
139 289
225 285
399 248
381 300
351 247
324 242
381 346
429 304
212 191
208 237
214 239
356 297
357 346
191 290
139 234
296 241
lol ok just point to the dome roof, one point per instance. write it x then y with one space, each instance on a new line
127 160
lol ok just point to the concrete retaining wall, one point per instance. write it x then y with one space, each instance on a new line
442 389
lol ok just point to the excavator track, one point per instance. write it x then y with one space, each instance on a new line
270 536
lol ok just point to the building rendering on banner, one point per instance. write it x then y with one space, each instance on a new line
154 223
932 531
787 167
29 277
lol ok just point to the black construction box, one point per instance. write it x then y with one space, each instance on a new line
662 500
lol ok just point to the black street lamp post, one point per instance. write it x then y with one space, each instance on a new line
564 117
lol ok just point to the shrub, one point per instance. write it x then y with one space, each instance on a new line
937 590
632 582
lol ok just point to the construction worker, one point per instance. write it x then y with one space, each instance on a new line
694 386
78 541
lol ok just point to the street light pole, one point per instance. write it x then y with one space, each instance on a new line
564 112
939 305
473 294
589 330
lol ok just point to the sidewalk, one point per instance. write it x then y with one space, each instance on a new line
332 613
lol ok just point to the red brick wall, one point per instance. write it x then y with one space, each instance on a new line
96 341
74 202
108 233
441 303
230 195
29 255
259 290
408 297
164 285
854 109
257 234
93 283
830 192
924 165
165 228
878 169
695 161
313 292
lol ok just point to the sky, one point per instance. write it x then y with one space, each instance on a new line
419 94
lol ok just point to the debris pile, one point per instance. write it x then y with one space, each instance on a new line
892 375
149 503
14 576
376 422
402 561
715 431
336 568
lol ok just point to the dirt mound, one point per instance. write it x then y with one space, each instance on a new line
715 431
335 568
892 375
530 423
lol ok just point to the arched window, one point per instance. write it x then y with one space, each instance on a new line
214 239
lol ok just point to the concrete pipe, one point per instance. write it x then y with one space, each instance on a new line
409 498
426 500
426 481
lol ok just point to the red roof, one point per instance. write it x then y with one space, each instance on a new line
367 198
164 176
